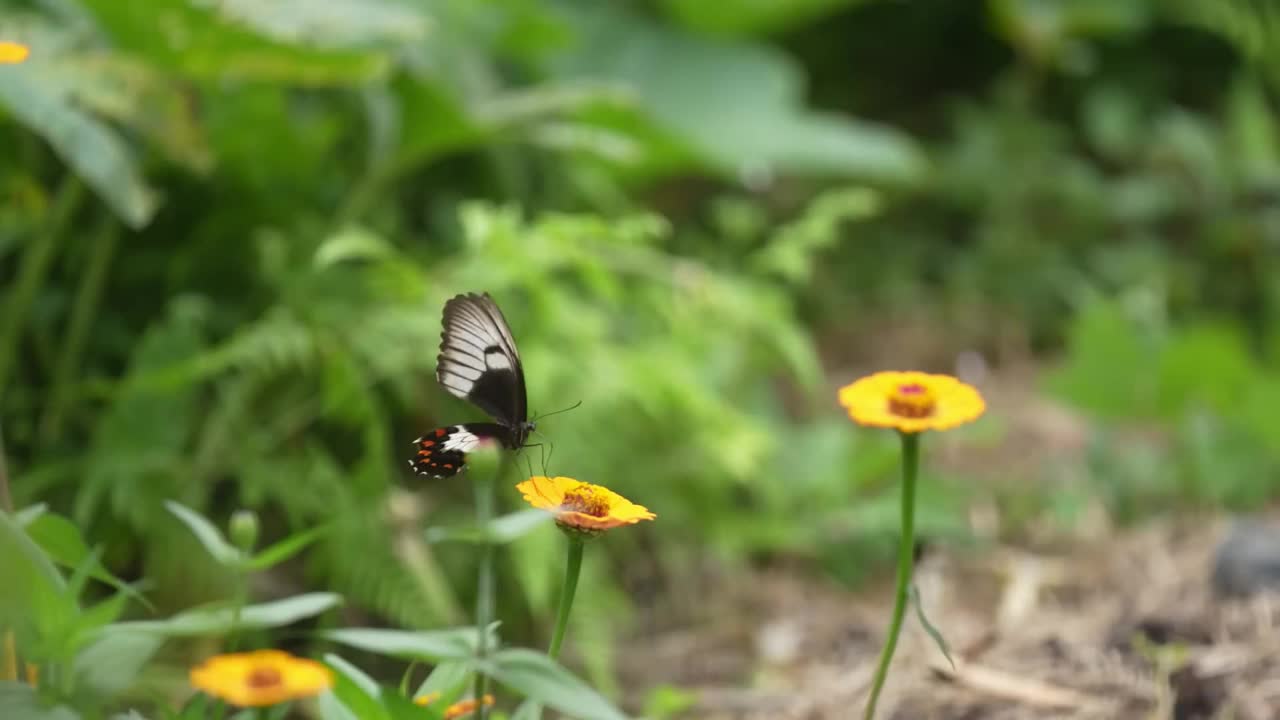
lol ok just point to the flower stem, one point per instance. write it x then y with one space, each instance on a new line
573 568
485 584
906 556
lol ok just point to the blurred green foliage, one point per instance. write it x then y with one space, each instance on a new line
227 229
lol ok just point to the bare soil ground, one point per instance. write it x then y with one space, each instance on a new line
1094 623
1126 627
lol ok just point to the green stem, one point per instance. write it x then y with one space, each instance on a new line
36 259
573 568
906 556
87 304
485 585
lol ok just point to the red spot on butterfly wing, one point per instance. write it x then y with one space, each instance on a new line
440 432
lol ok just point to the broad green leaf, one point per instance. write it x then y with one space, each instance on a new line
754 124
430 645
20 702
353 243
35 602
1109 369
61 540
285 549
358 692
215 621
329 23
112 663
750 17
500 531
96 153
445 677
541 679
203 42
208 535
399 707
527 710
332 708
28 515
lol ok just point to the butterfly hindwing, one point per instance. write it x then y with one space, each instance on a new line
479 363
443 452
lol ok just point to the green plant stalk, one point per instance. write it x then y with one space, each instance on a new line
82 314
485 502
906 557
31 273
573 568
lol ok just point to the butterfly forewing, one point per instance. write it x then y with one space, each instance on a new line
479 362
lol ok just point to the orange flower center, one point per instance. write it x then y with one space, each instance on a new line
587 501
264 677
912 400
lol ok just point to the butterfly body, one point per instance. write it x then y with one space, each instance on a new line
478 362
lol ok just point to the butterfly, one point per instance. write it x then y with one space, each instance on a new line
478 362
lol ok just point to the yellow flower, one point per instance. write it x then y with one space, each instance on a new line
582 506
263 677
12 53
456 710
911 402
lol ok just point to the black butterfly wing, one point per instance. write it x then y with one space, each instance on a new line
443 452
479 363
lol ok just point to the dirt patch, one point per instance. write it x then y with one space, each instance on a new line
1126 626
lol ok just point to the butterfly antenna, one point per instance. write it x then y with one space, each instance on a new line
574 406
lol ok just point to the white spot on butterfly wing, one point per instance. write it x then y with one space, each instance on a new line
497 360
461 440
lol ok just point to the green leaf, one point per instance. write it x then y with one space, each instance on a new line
751 17
20 702
112 663
358 692
208 535
500 531
400 707
929 628
61 540
445 678
205 41
332 708
215 621
527 710
285 549
28 515
352 244
35 602
541 679
430 645
1108 371
96 153
755 123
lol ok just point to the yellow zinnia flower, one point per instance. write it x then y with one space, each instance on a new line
456 710
263 677
582 506
911 402
12 53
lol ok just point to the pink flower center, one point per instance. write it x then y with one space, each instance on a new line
912 400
